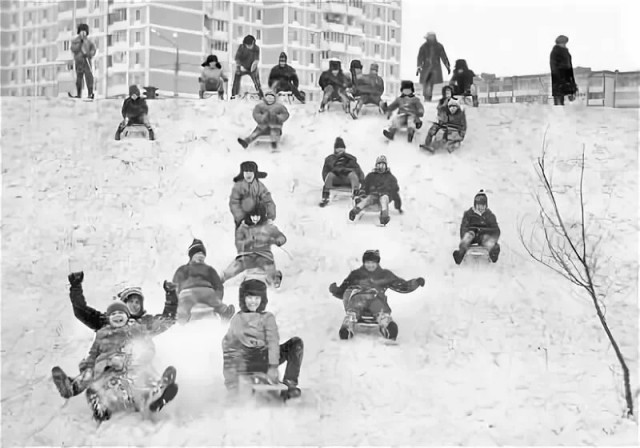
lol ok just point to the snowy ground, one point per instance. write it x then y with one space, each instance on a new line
507 354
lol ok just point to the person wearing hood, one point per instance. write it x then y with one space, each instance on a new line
247 58
363 294
462 81
212 78
83 50
429 56
252 343
334 84
248 191
340 169
380 187
479 226
452 121
368 89
563 82
269 115
410 110
283 78
198 283
134 112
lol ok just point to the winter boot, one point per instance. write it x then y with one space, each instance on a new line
476 103
243 142
201 94
458 256
169 389
301 97
277 281
325 198
353 213
221 96
494 253
389 133
388 328
348 324
62 382
410 135
274 145
151 134
384 218
228 313
293 390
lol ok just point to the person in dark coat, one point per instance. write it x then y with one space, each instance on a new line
247 58
83 51
479 226
380 187
340 169
410 110
429 70
363 293
462 81
334 84
134 111
283 78
368 89
452 121
562 81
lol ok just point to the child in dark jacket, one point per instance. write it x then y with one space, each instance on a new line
134 111
452 121
252 343
462 81
247 58
340 169
368 89
283 78
199 283
363 294
479 226
334 84
410 110
248 191
380 187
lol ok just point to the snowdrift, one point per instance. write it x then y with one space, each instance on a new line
504 354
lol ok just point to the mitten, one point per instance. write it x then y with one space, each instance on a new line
418 123
75 278
280 241
333 288
418 70
448 71
169 286
420 281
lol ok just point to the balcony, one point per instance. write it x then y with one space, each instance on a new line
355 50
119 67
335 27
355 12
116 46
119 26
65 15
334 7
220 35
354 30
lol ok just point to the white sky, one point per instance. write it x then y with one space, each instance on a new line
515 37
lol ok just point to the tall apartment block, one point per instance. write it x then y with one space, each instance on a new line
162 43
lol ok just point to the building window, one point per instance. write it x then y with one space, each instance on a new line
43 91
96 4
137 37
295 36
312 38
313 78
13 38
28 17
259 14
393 15
392 32
378 12
13 76
14 19
28 55
393 52
43 53
295 15
312 18
137 58
378 31
65 45
240 30
376 48
240 11
70 65
258 34
294 55
137 15
219 46
96 24
43 74
311 58
28 76
44 14
44 34
324 55
13 57
391 70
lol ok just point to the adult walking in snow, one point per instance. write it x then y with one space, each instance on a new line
83 51
429 57
562 81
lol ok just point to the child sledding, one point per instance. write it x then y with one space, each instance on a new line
451 126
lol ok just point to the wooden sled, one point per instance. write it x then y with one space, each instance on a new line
135 131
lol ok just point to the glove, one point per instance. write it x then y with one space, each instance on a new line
418 70
280 241
169 286
87 374
420 281
75 278
448 71
418 123
400 211
333 288
273 374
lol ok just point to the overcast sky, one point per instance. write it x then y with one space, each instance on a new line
514 37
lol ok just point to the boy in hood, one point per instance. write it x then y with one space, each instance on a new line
248 192
197 282
452 121
134 111
252 343
429 56
283 78
380 187
269 115
363 293
410 111
340 169
247 58
83 51
369 89
334 84
462 81
479 226
254 237
212 78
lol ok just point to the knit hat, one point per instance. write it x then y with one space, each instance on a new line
83 27
334 65
406 85
196 246
118 305
249 166
211 58
480 198
127 293
339 143
562 39
248 40
381 159
430 34
252 288
283 57
373 67
134 90
371 255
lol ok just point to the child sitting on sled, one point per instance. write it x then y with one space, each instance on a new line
363 294
134 112
410 110
212 78
252 343
270 116
479 226
452 121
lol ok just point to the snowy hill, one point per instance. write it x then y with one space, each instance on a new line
506 354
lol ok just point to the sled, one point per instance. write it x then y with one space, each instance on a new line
285 97
442 141
135 131
261 387
211 94
368 325
477 254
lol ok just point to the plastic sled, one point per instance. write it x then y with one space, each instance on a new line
134 131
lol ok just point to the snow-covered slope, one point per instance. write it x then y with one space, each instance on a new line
502 354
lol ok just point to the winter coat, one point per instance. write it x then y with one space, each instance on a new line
245 57
83 51
95 320
407 105
562 80
270 115
429 57
254 330
257 239
342 165
215 73
245 196
339 82
197 275
134 108
284 74
370 84
380 280
458 120
383 183
462 80
485 223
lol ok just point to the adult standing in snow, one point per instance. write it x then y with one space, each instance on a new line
562 80
429 56
247 58
83 50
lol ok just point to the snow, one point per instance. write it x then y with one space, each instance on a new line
504 354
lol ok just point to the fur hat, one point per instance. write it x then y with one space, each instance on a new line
83 27
249 40
480 198
461 64
355 64
134 90
339 143
118 305
334 65
374 67
258 210
430 34
249 166
252 288
195 247
211 58
562 39
282 57
406 84
127 293
371 255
